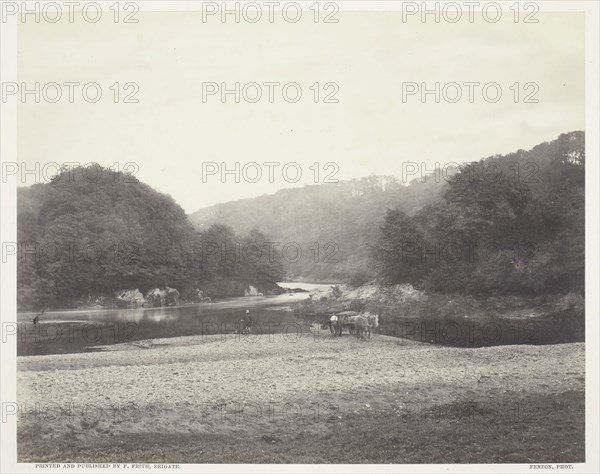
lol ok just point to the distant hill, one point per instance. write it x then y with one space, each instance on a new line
349 214
342 218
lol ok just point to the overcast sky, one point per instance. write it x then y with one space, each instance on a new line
171 131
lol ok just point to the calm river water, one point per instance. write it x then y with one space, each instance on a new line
60 332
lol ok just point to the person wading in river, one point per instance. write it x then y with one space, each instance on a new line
37 317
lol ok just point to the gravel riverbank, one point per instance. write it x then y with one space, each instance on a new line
288 399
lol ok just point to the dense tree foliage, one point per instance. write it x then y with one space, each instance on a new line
512 223
92 231
506 224
333 224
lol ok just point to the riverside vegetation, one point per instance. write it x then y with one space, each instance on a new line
209 398
503 232
92 234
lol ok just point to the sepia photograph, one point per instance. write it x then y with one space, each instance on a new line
299 236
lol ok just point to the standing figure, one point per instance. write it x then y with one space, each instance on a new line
334 325
247 322
37 317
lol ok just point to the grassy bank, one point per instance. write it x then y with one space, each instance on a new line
457 320
463 431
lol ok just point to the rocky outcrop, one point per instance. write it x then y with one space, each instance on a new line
130 298
96 302
200 297
392 295
162 297
252 291
155 297
172 296
338 298
293 290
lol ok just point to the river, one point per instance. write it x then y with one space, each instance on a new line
68 331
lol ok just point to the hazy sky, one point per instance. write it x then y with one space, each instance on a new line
171 131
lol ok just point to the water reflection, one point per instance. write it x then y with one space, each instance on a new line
270 314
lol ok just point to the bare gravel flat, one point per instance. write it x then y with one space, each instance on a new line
175 386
